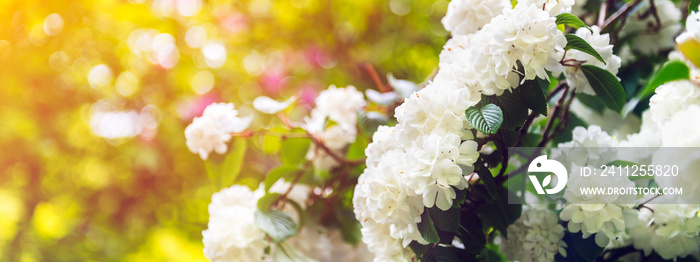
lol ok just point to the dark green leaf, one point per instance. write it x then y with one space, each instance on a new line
500 214
445 220
532 95
669 71
266 201
571 20
350 229
591 102
606 86
471 233
418 249
489 182
427 228
487 119
277 173
440 254
579 249
514 113
461 196
575 42
276 224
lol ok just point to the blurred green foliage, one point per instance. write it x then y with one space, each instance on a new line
73 189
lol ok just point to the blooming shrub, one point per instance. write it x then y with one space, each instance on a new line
430 185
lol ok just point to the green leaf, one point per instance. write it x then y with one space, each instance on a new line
693 6
276 224
575 42
579 249
669 71
357 149
224 173
418 249
440 254
277 173
487 119
427 228
350 229
500 214
472 233
532 95
571 20
285 253
489 182
266 201
293 150
606 86
591 102
445 220
514 113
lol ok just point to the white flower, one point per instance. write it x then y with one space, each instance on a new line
226 118
606 221
672 231
601 43
333 122
213 129
434 168
403 88
603 215
382 196
526 34
692 28
339 105
554 7
270 106
383 140
326 245
649 39
232 233
468 16
382 245
590 146
535 236
387 98
671 98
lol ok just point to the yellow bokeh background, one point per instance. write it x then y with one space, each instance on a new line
95 96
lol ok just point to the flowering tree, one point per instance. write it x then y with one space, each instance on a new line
432 183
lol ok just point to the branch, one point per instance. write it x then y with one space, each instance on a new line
617 16
550 123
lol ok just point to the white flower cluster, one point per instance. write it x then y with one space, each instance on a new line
487 61
327 245
213 129
602 215
649 37
468 16
601 43
554 7
670 230
334 122
420 162
590 146
232 234
535 236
